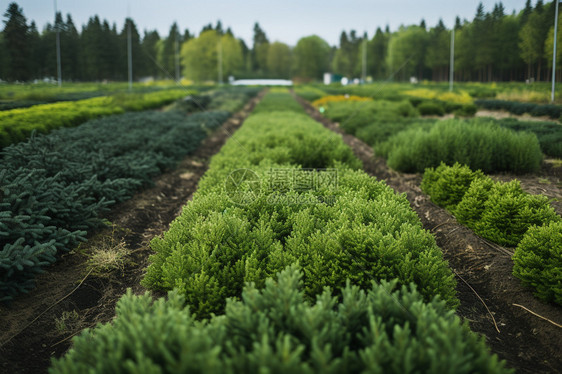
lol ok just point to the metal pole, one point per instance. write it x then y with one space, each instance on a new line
130 54
220 61
59 67
452 62
554 53
364 72
177 58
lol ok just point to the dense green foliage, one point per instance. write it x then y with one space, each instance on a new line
55 186
276 101
480 145
501 212
429 108
355 115
538 261
13 96
515 107
18 124
383 329
13 104
446 185
309 93
495 46
230 99
311 58
200 58
549 134
360 230
378 131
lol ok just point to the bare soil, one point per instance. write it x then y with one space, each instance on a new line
483 269
500 114
70 296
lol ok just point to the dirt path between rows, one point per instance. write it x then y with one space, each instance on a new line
528 343
501 114
69 297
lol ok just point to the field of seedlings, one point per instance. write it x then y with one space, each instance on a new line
273 187
316 229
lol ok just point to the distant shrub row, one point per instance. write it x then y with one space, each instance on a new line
480 145
439 108
17 125
327 100
460 97
505 214
516 107
549 134
309 93
383 329
355 115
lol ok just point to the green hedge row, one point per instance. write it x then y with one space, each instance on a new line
70 96
549 134
428 107
230 99
17 125
504 213
360 230
516 107
356 115
278 101
385 329
53 187
478 144
309 93
501 212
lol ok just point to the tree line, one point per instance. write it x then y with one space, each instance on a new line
494 46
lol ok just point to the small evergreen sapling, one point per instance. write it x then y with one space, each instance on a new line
538 261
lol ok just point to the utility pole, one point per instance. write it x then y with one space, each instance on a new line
364 72
59 67
452 62
129 48
554 53
177 59
220 61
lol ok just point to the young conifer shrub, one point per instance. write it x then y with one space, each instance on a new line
538 261
480 145
446 185
501 212
386 329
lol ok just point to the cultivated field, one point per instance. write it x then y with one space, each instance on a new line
370 228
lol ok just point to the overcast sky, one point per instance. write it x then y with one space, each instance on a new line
285 20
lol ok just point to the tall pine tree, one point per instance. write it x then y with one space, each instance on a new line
16 44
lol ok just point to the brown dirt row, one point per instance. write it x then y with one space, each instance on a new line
500 114
69 297
528 343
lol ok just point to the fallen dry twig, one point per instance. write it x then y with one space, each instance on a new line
538 315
